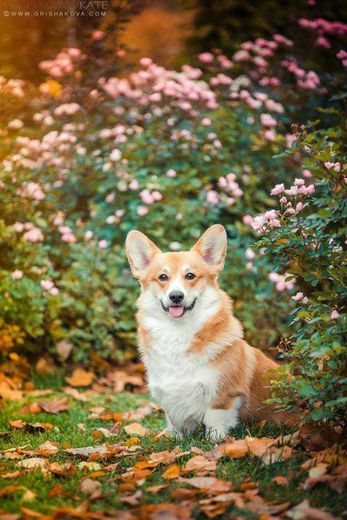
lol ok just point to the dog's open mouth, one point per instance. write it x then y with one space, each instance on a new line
177 311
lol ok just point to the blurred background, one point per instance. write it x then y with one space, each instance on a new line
166 31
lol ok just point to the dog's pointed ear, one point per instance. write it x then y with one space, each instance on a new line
140 251
212 246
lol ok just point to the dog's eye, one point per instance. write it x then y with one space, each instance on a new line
163 277
190 276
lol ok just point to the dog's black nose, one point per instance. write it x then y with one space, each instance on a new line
176 296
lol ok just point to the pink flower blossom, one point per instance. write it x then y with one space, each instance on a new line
18 227
278 189
334 315
47 285
156 195
142 211
206 57
171 173
146 197
206 121
88 235
267 120
102 244
298 296
306 173
98 35
54 291
133 185
212 197
299 207
247 219
270 135
249 254
33 235
17 275
16 124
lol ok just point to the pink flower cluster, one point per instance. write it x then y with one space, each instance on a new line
150 197
32 190
12 86
267 219
64 63
229 184
67 234
281 282
306 80
150 83
342 55
299 297
31 233
67 109
324 26
49 286
212 197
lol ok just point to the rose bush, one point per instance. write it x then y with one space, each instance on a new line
164 151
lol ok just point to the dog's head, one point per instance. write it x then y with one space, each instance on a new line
176 283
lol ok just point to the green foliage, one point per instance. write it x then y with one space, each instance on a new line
311 245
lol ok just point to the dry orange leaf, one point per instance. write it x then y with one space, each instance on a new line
200 464
136 429
80 377
55 406
172 472
211 484
280 480
236 449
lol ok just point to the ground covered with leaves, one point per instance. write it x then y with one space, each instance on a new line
78 446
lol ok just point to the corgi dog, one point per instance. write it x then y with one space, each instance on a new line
199 368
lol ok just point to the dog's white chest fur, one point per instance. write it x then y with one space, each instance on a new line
183 383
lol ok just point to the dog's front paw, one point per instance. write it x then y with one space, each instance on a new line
213 434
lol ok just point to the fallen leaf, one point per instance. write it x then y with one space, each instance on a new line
165 511
48 448
55 406
319 470
136 429
172 472
280 480
64 349
103 433
30 408
258 447
89 466
8 490
28 495
75 394
183 493
156 489
236 449
8 392
131 500
33 463
55 491
200 464
91 487
210 484
80 377
274 454
304 511
139 413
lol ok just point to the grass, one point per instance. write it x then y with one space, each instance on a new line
67 434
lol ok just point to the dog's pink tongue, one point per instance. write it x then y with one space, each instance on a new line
176 312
